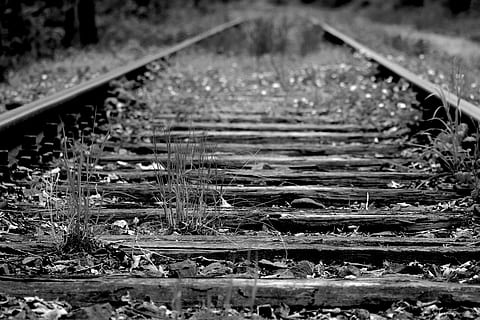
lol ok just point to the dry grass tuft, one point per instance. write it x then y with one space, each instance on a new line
74 228
186 184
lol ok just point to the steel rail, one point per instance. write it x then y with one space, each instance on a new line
18 116
426 86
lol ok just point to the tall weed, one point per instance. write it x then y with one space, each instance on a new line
453 145
73 221
186 184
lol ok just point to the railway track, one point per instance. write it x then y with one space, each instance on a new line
295 200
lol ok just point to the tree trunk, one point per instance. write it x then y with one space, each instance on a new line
69 25
80 19
87 27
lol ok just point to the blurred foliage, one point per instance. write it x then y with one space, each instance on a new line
146 9
453 6
33 27
447 17
37 28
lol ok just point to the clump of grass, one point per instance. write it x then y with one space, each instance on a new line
79 232
455 148
186 184
74 226
447 144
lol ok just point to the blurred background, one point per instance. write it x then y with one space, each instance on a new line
34 29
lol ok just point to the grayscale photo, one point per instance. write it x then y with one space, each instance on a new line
240 159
